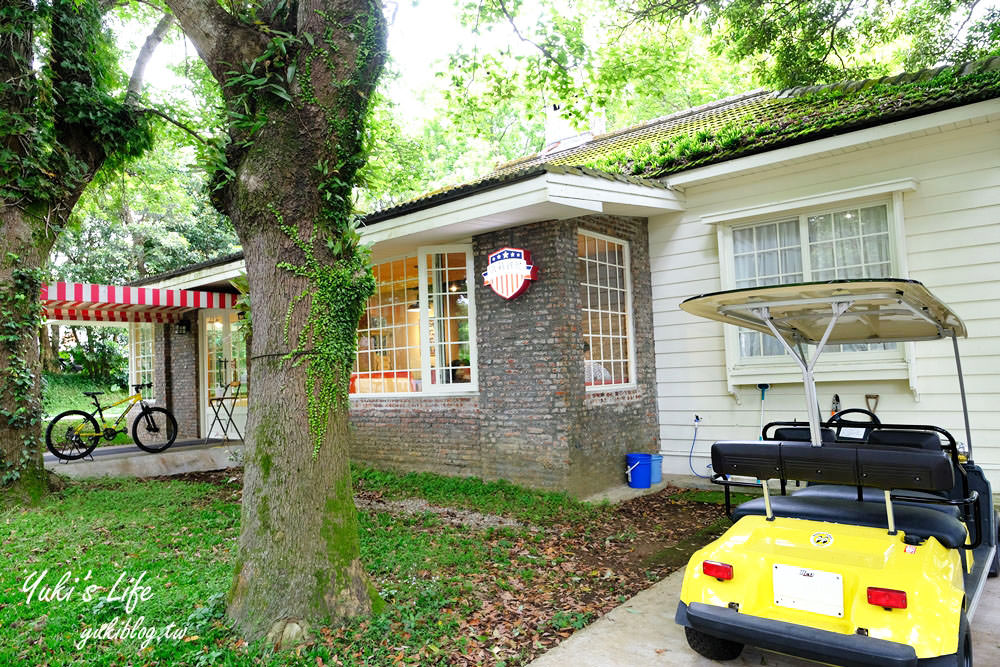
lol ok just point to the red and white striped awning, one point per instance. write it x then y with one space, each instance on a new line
82 302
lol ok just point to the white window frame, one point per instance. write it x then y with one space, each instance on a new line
835 366
426 387
133 367
629 315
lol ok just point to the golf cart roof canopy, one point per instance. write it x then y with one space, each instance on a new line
877 310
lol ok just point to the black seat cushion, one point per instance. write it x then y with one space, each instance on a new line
801 434
904 438
870 495
912 520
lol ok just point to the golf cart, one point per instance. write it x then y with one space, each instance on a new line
881 556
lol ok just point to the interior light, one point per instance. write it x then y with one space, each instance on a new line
887 598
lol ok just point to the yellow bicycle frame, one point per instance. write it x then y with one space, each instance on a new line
131 400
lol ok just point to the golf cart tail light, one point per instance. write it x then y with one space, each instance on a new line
887 597
721 571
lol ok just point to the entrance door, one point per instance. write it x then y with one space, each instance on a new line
224 362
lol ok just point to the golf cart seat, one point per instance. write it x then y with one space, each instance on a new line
801 434
900 438
847 465
870 495
920 521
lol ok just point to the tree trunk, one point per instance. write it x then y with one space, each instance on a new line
22 473
299 557
295 155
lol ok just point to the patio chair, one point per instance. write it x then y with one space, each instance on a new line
223 407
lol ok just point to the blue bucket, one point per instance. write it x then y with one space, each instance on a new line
637 470
655 469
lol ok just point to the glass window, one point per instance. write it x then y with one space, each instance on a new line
833 245
141 351
417 332
605 295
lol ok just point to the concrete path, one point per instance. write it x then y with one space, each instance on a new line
642 633
130 461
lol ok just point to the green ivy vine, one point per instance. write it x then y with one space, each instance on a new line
337 294
20 317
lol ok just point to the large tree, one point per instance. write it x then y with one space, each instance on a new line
296 78
66 111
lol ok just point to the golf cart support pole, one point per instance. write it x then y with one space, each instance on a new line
961 390
808 378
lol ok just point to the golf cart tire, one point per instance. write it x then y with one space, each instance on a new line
964 656
713 648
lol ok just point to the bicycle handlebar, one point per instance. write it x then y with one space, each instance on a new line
143 386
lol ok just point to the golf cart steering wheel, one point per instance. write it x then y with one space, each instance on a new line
859 433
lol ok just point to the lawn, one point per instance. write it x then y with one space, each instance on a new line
474 572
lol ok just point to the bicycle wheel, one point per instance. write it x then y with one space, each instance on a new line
63 437
154 430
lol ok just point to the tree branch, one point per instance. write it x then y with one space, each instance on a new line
173 121
146 52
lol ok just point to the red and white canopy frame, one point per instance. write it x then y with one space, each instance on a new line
83 302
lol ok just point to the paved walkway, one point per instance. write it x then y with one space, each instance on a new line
642 633
130 461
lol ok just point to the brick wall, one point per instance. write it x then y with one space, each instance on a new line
175 375
421 434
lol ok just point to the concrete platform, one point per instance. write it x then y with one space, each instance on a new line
130 461
642 633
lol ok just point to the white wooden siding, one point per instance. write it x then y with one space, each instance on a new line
952 242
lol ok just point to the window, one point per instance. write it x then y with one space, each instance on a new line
831 245
141 354
418 330
606 298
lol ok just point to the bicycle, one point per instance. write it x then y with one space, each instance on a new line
75 433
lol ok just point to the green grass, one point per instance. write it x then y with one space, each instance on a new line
499 497
184 536
443 582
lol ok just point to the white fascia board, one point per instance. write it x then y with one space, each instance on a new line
212 274
835 196
980 111
483 204
519 203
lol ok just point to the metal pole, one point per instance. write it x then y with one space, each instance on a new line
961 390
767 500
889 513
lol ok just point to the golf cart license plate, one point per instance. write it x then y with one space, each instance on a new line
809 590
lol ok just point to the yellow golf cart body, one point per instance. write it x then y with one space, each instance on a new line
880 557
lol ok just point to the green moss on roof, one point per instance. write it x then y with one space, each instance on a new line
742 125
789 117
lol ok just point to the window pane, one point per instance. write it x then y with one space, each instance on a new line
767 237
873 220
846 223
743 240
876 249
820 228
745 268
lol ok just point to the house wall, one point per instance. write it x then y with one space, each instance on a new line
532 421
951 244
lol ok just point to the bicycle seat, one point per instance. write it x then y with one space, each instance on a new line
92 394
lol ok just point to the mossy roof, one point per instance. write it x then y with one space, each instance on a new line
743 125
